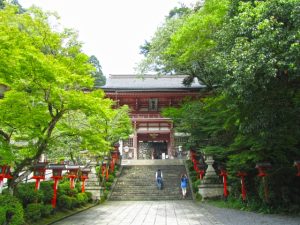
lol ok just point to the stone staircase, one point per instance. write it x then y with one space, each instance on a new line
137 183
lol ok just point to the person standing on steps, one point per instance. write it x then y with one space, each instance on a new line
183 184
159 179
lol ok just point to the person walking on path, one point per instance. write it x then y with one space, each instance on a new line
183 184
159 179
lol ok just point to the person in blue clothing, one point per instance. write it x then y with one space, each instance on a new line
159 179
183 184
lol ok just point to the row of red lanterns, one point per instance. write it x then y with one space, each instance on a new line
39 174
106 167
262 167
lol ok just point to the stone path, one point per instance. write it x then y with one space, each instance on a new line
170 213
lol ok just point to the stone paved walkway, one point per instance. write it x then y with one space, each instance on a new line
170 213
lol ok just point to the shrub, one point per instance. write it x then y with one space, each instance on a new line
33 211
195 185
11 210
105 194
82 198
46 210
47 189
64 201
64 189
75 202
27 194
111 178
89 196
108 185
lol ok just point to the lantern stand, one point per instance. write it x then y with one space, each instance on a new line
39 170
224 174
84 176
4 173
56 176
297 164
242 175
262 167
73 173
105 167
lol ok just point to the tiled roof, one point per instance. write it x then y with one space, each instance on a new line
148 82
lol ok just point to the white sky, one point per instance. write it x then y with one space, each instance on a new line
112 30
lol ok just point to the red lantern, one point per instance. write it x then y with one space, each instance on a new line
39 170
84 176
297 164
57 175
73 173
262 167
243 187
4 173
224 175
103 168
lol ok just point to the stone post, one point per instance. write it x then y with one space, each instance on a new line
210 186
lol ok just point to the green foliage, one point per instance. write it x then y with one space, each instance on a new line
82 198
195 185
47 72
46 210
26 194
47 188
108 185
65 202
111 178
33 211
11 210
89 196
65 189
100 79
248 54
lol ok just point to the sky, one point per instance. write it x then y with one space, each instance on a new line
112 30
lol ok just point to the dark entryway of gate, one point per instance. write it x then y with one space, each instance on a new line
152 149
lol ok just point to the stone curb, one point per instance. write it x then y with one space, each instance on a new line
71 214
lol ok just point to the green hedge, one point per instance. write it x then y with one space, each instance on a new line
33 211
11 210
26 194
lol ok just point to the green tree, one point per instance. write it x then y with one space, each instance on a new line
49 78
100 79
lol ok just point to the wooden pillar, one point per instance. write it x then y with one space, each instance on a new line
135 142
171 142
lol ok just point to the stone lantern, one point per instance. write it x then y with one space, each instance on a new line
73 173
84 175
39 170
4 173
56 176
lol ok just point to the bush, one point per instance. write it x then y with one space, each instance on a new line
82 198
11 210
46 210
195 185
105 194
33 211
111 178
64 189
64 202
47 189
27 194
89 196
108 185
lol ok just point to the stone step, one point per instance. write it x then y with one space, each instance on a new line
138 183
